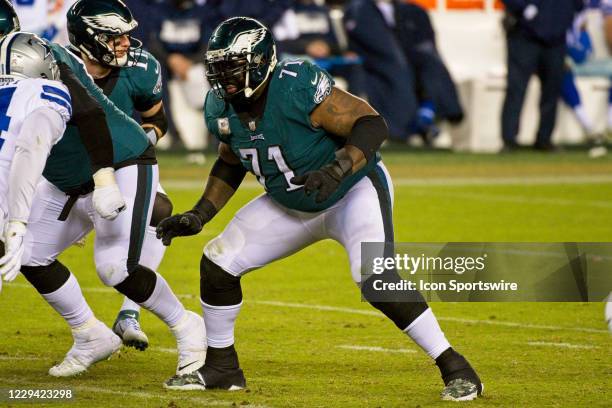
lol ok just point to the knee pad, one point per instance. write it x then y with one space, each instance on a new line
112 273
139 285
401 312
46 279
162 208
217 287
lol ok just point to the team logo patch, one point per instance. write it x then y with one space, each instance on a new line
111 22
257 137
323 89
224 126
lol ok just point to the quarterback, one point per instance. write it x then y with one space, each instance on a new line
99 32
314 148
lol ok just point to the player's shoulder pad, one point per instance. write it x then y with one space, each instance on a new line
216 116
298 75
214 107
146 70
42 92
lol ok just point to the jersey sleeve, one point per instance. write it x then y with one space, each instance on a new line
216 122
147 82
53 95
304 85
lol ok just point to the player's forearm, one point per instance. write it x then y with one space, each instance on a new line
36 138
223 181
155 122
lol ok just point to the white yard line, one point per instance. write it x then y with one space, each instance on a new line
163 350
448 319
516 199
562 345
20 358
177 184
360 312
375 349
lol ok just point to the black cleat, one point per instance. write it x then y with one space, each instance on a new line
460 380
221 372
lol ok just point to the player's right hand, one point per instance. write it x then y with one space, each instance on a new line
107 198
179 225
10 263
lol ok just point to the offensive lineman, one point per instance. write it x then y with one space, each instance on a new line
131 78
315 150
62 214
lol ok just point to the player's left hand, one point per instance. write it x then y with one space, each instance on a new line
325 180
107 198
179 225
10 263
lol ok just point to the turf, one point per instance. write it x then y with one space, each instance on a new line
302 318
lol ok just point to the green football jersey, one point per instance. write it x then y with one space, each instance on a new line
284 143
68 165
137 86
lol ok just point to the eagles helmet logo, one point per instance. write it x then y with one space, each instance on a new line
244 42
110 22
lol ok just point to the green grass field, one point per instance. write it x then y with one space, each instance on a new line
304 337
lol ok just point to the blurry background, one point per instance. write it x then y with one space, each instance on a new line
436 69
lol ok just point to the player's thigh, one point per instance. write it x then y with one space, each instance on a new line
365 214
260 233
119 242
46 235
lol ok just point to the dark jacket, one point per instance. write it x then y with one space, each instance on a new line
418 41
389 78
550 24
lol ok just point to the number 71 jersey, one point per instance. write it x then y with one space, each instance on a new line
284 144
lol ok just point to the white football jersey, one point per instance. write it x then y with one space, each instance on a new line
18 99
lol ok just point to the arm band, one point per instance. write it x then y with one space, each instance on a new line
158 120
367 134
89 117
232 174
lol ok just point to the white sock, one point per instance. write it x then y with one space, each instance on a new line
583 118
426 332
219 321
129 304
69 302
152 250
163 303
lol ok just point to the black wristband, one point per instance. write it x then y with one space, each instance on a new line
232 174
158 120
204 209
367 134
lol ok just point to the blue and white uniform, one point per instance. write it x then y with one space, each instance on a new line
33 116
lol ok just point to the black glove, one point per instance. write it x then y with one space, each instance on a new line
179 225
326 180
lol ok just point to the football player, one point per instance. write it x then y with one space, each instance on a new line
314 148
99 32
62 214
35 107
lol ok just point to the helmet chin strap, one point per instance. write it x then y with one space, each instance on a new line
248 91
